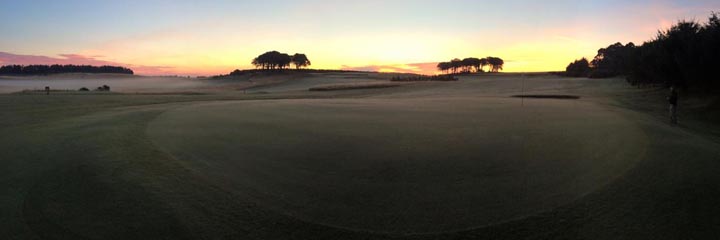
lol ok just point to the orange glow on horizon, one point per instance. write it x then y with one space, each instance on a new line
172 53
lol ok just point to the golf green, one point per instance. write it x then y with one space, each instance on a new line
410 165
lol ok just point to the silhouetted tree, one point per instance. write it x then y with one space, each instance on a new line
496 64
483 62
579 68
470 64
682 47
455 65
687 55
300 60
444 67
613 60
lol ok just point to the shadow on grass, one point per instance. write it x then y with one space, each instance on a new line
572 97
338 87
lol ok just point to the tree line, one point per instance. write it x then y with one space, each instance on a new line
471 64
685 55
56 68
277 60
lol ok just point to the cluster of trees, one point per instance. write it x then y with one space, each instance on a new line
54 69
685 55
616 59
472 64
278 60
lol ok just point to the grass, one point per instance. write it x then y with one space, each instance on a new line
354 86
62 92
285 71
550 96
415 164
429 161
424 78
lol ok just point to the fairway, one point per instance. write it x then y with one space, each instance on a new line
451 160
403 165
359 120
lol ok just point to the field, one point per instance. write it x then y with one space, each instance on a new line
261 157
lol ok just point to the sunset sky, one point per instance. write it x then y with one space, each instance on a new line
215 37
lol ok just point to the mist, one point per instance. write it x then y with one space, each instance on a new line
128 84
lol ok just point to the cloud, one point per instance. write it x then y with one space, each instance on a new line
418 68
77 59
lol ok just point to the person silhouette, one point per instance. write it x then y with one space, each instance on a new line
673 101
47 90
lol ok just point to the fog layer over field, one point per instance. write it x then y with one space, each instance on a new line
250 83
117 82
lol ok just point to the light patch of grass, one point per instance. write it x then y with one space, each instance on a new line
354 86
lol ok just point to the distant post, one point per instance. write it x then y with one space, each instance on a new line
522 90
47 90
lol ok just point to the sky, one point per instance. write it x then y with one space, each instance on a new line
164 37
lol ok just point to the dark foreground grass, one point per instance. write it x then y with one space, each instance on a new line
84 167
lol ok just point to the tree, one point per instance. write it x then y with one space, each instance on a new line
265 60
686 55
496 64
470 63
300 60
444 67
284 60
455 64
613 60
677 56
579 68
483 62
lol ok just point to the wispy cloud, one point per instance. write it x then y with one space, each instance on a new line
418 68
77 59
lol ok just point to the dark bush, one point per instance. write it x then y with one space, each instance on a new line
103 88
